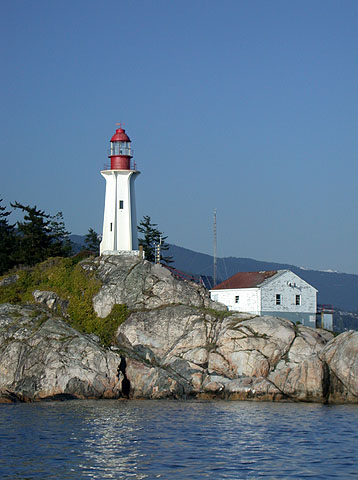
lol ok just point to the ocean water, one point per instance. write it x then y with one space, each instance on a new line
177 440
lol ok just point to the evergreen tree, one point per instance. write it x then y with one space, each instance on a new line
7 241
34 240
61 245
40 236
92 241
151 237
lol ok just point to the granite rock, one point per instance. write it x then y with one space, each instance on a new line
176 343
51 300
41 357
341 355
142 285
234 357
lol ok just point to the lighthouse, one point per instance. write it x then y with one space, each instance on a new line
120 222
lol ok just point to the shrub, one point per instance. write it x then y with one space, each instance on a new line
67 278
106 327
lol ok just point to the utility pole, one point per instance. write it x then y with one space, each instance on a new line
214 273
157 250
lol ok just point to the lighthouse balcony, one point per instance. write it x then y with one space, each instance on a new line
132 166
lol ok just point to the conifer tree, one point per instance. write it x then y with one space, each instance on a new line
92 241
33 235
40 236
7 241
61 245
152 236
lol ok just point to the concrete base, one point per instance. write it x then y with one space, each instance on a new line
124 253
308 319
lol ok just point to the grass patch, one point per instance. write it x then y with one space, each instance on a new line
219 314
71 282
106 327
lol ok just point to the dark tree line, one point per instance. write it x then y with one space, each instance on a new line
7 238
37 237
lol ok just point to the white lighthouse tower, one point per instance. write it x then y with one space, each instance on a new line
120 222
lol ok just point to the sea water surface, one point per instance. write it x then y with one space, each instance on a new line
177 440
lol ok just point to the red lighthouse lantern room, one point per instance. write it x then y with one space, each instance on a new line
120 151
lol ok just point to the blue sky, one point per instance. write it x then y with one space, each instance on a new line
249 107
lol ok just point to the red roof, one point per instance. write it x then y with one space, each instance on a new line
120 136
245 280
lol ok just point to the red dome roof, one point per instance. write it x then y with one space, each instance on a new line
120 136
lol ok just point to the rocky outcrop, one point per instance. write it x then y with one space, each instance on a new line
8 280
51 300
183 350
341 355
41 357
176 343
142 285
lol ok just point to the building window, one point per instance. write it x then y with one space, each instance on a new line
298 299
111 226
120 204
237 298
278 299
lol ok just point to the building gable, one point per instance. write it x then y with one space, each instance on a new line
290 278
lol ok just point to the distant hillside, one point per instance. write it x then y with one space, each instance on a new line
78 242
337 289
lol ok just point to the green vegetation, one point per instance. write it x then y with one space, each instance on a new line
106 328
37 237
296 328
7 238
67 278
93 241
219 314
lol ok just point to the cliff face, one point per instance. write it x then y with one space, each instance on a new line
41 357
175 343
180 350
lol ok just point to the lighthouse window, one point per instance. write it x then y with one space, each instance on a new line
121 204
111 225
278 299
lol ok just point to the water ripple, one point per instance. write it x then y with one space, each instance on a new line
177 440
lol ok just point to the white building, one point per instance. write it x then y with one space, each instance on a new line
279 293
120 222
